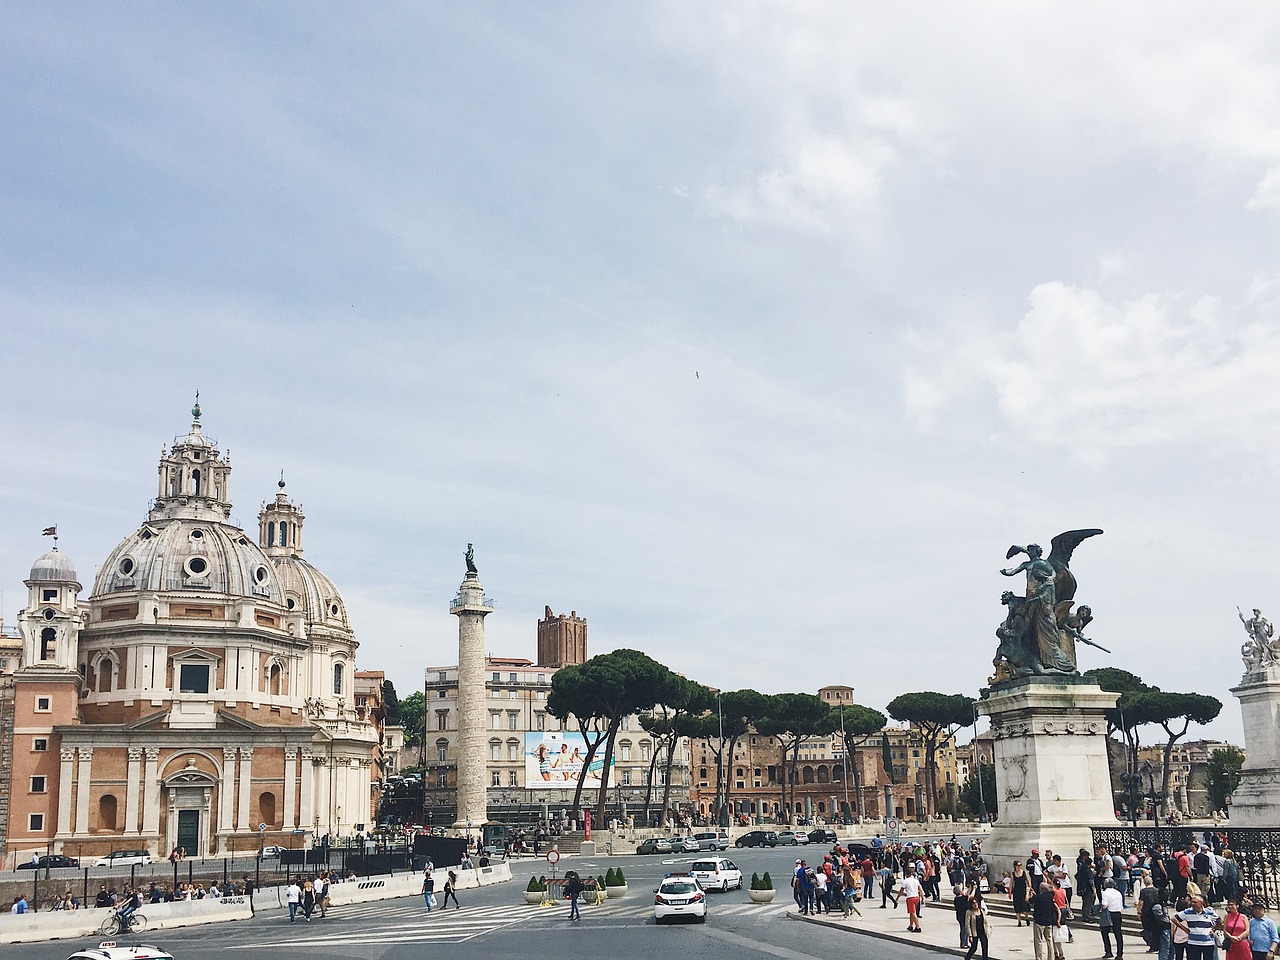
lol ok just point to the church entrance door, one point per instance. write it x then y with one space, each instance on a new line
189 832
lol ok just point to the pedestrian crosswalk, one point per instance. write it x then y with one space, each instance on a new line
407 921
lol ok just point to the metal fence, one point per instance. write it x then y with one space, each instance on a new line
1256 851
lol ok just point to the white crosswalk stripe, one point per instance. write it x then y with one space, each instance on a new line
402 925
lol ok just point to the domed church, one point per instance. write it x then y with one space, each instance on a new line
201 697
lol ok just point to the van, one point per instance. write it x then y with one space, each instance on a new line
124 858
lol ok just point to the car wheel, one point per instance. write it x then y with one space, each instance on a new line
738 844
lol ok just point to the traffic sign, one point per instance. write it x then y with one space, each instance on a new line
553 857
892 829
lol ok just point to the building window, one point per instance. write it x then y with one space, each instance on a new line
495 779
442 676
442 719
44 705
511 678
49 596
193 678
442 779
40 744
542 679
626 778
513 751
497 678
644 750
495 720
540 719
442 750
35 822
48 643
442 694
625 749
38 785
512 720
494 750
337 679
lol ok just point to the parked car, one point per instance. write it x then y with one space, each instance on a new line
713 841
679 896
53 861
124 858
822 835
757 838
789 838
272 852
654 845
718 874
685 845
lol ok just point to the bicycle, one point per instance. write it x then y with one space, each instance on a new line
113 925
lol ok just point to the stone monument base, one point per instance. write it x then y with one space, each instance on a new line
1053 779
1256 801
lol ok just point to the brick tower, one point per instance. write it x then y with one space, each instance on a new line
562 640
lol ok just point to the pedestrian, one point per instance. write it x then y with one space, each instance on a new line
868 870
1263 938
1148 898
962 894
888 881
1235 931
428 890
450 890
1230 876
820 902
1110 910
1044 911
293 896
1021 890
322 892
308 900
574 887
914 892
1199 922
978 926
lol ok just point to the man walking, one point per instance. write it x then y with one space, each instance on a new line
1263 939
293 896
1044 913
574 887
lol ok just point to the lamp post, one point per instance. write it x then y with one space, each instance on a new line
722 794
1132 781
844 748
1149 772
977 759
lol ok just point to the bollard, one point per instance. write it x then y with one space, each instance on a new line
84 899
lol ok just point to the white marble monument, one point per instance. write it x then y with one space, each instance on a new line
471 606
1256 801
1053 780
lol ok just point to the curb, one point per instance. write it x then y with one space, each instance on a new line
877 934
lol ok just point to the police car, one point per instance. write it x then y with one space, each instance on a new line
679 895
110 950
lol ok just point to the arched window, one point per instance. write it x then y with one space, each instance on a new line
195 482
495 750
275 680
513 749
284 534
107 813
104 675
837 773
48 643
267 809
337 679
807 774
271 533
822 774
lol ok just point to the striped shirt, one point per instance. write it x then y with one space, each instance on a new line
1200 926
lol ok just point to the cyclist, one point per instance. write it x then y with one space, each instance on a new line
130 904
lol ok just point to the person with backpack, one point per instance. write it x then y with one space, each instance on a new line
428 889
573 889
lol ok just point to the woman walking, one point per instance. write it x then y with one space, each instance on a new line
977 925
1021 893
449 891
308 900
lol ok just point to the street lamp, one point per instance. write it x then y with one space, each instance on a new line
722 814
844 748
1149 772
977 759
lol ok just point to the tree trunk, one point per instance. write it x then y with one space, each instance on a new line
648 789
666 778
604 773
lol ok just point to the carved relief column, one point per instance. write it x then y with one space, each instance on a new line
246 779
151 794
83 778
290 786
131 792
304 790
226 793
64 791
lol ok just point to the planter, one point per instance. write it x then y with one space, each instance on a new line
761 896
533 896
616 892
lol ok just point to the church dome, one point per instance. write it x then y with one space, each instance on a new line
188 553
306 588
55 567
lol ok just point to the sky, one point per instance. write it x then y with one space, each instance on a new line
753 332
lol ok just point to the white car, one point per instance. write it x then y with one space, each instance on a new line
686 845
679 896
125 858
107 950
718 874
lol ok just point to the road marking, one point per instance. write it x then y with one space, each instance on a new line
749 944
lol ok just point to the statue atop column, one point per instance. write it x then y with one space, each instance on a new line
1040 631
471 560
1261 650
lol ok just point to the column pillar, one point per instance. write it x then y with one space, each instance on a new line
151 794
305 788
341 770
246 780
290 786
131 791
84 777
226 793
65 780
471 606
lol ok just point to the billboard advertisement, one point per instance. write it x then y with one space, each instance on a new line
554 761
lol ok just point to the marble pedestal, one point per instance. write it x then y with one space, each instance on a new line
1256 801
1053 779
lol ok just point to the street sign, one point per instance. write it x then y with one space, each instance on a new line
892 829
553 857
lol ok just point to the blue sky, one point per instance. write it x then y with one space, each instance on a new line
753 332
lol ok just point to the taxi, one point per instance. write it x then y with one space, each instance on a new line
111 950
679 895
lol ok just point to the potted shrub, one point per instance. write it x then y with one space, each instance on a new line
536 891
615 884
761 888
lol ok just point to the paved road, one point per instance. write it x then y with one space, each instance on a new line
496 924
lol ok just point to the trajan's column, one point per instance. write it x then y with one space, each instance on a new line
471 606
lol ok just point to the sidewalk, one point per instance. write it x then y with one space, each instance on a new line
941 932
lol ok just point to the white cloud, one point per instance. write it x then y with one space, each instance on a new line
1091 376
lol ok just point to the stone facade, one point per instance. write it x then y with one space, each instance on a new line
1256 801
562 640
202 691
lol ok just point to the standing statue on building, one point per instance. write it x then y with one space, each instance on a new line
1260 650
1039 633
471 559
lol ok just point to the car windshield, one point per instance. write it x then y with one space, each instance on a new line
680 886
707 865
